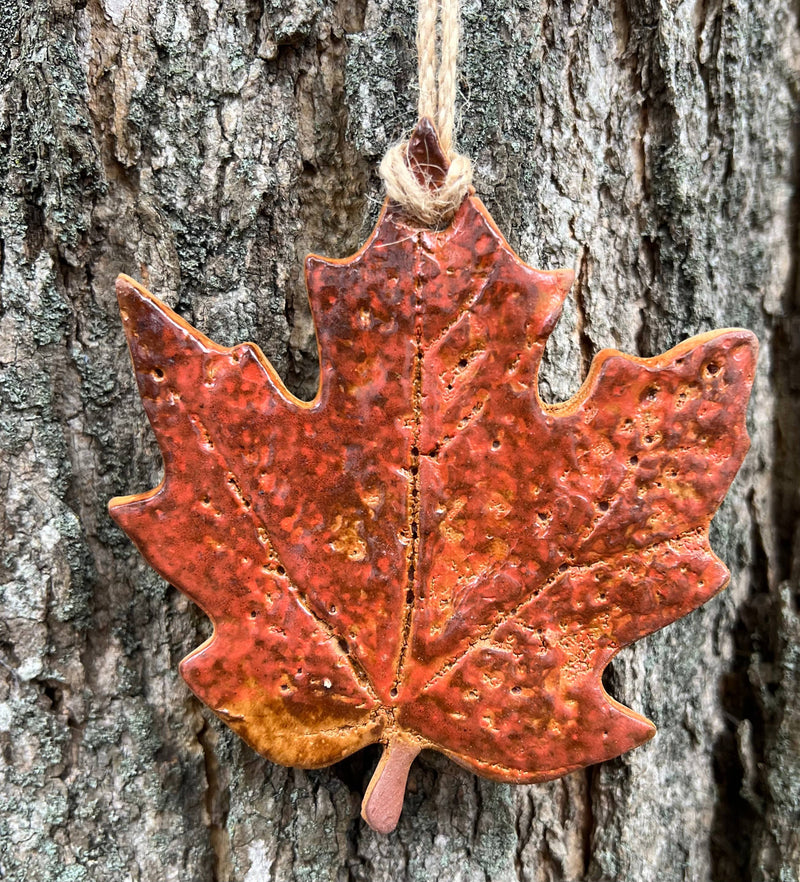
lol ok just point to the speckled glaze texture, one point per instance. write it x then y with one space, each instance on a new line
426 554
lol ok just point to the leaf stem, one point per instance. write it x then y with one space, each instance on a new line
383 801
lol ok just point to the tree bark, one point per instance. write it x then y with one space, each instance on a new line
205 148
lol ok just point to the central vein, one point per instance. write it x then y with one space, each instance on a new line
413 488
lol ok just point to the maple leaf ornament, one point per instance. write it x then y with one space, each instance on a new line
426 555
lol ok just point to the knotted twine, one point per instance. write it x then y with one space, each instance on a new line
431 205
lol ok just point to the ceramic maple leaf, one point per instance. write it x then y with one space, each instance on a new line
426 555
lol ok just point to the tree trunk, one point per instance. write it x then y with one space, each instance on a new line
205 148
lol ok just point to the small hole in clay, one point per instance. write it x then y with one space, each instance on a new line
712 368
543 515
495 444
159 374
603 506
280 571
393 693
253 613
463 363
634 460
516 690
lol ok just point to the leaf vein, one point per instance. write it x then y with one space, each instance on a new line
487 635
213 449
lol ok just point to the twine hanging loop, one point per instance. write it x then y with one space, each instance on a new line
432 204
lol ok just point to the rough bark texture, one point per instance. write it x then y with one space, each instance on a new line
205 147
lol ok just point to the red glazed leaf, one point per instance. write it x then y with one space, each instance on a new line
426 555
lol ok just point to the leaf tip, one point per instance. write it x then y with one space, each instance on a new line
116 508
132 513
132 298
113 505
554 286
625 729
564 279
125 286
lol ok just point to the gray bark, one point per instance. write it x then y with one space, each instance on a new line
205 147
